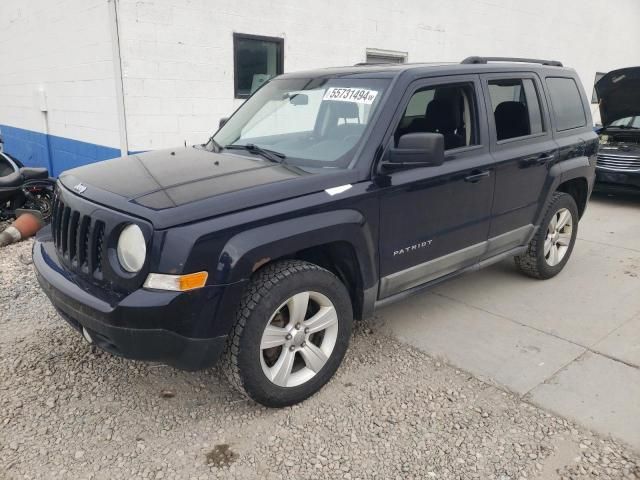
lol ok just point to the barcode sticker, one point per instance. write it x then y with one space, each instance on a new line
357 95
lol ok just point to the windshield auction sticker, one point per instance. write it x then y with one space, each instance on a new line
357 95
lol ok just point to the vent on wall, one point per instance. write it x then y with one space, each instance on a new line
376 55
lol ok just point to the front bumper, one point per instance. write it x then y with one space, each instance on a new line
175 328
616 180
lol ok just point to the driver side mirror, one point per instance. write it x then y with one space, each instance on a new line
416 150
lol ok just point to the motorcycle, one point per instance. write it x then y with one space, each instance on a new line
24 189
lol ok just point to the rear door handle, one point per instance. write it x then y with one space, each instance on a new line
476 177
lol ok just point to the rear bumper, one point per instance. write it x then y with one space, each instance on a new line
144 325
616 180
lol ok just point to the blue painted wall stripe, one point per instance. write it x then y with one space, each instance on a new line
36 149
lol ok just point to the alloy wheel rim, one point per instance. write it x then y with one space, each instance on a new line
299 339
558 239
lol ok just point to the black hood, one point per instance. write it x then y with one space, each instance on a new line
619 94
171 187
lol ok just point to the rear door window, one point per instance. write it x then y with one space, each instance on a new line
516 108
566 103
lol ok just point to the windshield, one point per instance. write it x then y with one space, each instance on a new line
316 122
627 122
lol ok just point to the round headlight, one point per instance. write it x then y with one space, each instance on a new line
132 249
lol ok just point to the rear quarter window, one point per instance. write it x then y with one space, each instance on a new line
566 103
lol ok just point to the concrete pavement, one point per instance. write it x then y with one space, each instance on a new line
570 344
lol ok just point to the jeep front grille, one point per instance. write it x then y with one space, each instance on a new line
78 238
618 162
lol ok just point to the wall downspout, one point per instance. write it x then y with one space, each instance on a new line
44 108
117 68
47 137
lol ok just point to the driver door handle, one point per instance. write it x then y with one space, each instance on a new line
476 177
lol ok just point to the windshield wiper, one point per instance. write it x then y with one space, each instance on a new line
270 155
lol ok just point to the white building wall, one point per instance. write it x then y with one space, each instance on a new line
178 54
63 48
177 57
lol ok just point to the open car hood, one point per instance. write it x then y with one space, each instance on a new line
619 94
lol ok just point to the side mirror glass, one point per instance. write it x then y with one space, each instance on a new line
416 150
223 120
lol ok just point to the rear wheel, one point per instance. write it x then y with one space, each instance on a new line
551 247
291 333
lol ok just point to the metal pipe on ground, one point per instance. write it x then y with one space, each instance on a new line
26 225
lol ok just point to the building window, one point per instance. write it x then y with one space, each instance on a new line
256 60
375 55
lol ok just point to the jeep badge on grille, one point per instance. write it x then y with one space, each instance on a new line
80 188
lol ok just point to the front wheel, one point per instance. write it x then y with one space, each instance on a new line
291 333
551 247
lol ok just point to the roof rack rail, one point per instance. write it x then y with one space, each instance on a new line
476 60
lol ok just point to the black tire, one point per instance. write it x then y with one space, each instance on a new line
267 291
533 262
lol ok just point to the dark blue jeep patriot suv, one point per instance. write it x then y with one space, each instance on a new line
328 193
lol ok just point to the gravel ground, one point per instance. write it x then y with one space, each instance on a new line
70 411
